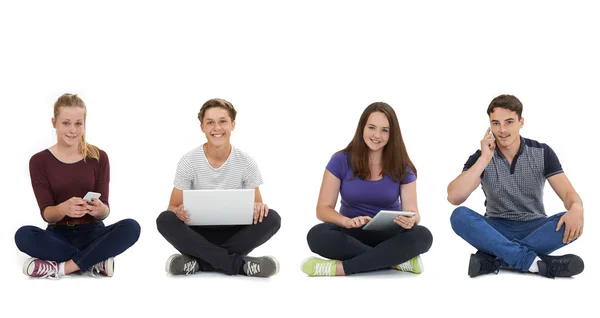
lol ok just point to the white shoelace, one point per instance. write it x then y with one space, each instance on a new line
406 267
97 268
323 269
48 270
253 268
189 267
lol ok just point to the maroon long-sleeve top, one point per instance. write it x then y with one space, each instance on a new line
54 182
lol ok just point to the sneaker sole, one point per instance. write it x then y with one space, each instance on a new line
303 262
474 266
169 261
421 267
576 266
276 265
110 267
26 265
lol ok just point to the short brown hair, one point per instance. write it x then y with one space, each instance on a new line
217 102
509 102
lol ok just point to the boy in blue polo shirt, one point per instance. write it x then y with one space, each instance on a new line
515 231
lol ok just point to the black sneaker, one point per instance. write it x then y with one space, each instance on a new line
483 263
178 264
265 266
560 266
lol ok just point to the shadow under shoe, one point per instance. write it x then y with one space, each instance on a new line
560 266
482 263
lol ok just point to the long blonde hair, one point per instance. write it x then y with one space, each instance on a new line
72 100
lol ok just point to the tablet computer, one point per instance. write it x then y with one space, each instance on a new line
384 220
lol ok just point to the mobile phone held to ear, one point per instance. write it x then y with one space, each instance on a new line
91 195
492 133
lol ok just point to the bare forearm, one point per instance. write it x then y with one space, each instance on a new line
329 215
572 199
53 214
462 187
417 218
104 214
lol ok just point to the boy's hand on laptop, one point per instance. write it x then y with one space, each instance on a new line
181 214
261 211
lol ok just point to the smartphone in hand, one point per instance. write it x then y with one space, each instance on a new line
91 195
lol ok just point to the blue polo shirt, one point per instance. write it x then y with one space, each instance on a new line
515 191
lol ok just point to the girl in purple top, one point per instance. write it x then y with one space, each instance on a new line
372 173
76 238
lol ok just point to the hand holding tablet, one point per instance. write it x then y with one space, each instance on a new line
384 220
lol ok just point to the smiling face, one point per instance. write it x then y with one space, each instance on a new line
70 126
377 131
217 126
506 126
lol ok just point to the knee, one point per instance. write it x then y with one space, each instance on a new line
314 236
132 228
23 236
273 221
459 216
424 238
164 219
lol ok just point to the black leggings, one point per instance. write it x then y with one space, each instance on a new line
217 248
364 251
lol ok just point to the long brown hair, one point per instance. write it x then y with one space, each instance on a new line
395 157
72 100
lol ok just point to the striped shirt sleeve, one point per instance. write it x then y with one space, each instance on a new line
252 177
184 176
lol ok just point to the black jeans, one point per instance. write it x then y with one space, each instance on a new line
85 244
364 251
217 248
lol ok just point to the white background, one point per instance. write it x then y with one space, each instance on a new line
299 74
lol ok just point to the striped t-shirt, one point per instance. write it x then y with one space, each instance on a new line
238 172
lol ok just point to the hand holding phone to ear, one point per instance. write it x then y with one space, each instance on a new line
488 144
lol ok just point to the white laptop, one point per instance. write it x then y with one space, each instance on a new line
219 207
384 220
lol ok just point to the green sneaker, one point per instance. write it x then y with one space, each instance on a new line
413 265
314 266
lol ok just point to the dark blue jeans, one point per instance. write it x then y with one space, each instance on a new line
85 244
516 243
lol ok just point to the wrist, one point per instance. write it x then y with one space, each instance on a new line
576 206
344 221
62 209
486 158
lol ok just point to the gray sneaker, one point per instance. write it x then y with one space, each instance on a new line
265 266
178 264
